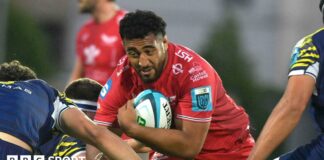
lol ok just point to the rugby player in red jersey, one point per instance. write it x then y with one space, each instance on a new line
99 46
207 123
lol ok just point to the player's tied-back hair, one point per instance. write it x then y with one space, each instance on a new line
15 71
138 24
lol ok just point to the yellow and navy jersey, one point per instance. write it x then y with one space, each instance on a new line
308 59
68 147
305 57
31 110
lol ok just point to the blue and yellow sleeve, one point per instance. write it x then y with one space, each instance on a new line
305 58
68 146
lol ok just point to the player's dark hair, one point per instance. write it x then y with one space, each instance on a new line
83 88
321 9
15 71
138 24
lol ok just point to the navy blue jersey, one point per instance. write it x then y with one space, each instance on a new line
308 59
62 145
47 149
30 110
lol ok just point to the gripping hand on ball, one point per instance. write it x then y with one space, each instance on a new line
127 117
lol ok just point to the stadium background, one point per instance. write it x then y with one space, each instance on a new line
247 41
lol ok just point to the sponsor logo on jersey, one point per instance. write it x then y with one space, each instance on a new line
108 39
91 52
9 85
121 61
199 76
184 55
177 69
201 99
195 68
106 88
122 70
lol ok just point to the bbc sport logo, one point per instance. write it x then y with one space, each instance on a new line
41 157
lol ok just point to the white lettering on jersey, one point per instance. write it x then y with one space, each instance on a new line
91 53
184 55
108 39
199 76
177 69
194 69
122 70
9 86
121 61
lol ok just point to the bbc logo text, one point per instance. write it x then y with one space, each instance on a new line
41 157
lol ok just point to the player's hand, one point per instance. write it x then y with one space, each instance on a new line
127 117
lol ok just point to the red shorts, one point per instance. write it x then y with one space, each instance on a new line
240 151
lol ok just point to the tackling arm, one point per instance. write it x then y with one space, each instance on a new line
284 117
75 123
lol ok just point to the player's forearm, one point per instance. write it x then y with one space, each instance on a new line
279 125
91 152
167 141
113 146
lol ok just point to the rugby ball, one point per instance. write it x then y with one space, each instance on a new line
153 109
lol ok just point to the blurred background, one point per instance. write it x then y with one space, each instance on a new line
247 41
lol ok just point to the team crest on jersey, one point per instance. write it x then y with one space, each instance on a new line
201 99
106 89
91 52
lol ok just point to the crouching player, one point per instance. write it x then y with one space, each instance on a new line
31 110
84 93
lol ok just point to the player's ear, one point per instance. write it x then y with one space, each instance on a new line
165 41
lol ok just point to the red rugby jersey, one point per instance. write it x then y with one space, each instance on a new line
99 46
195 92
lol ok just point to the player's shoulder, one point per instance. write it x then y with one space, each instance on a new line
88 23
187 57
123 67
86 26
191 65
309 39
41 84
121 12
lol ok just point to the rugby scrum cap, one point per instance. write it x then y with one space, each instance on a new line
85 105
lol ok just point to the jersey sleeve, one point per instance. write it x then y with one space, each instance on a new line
61 104
198 92
69 146
304 59
112 96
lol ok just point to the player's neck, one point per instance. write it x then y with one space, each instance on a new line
105 12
